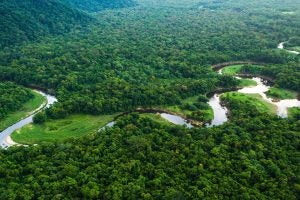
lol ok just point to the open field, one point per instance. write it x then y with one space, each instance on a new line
232 70
71 127
280 93
252 99
245 82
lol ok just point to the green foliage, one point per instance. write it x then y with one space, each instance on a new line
195 107
233 70
73 126
97 5
28 107
143 57
202 98
27 20
252 104
158 54
247 82
140 158
12 97
39 118
284 75
294 41
294 113
280 93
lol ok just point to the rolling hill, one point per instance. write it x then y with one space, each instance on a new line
97 5
23 20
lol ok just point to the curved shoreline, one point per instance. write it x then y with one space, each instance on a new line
30 112
5 141
217 106
213 95
217 67
263 83
162 111
281 46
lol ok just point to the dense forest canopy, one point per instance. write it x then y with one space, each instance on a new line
28 20
149 53
12 97
284 75
147 56
254 157
98 5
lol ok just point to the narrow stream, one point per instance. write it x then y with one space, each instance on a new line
5 140
281 46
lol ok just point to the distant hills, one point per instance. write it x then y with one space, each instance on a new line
26 20
97 5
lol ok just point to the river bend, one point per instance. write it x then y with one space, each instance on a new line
5 140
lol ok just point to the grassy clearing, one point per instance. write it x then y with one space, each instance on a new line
280 93
28 107
247 82
232 70
236 69
198 114
294 113
56 130
252 99
156 118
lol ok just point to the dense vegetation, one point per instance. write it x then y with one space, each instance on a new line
97 5
157 54
29 20
284 75
59 130
12 97
294 41
254 157
145 57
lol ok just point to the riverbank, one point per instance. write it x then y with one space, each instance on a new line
263 89
217 114
293 50
27 120
219 66
254 100
24 112
193 122
280 94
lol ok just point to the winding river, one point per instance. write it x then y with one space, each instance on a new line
261 88
5 140
174 119
219 111
281 46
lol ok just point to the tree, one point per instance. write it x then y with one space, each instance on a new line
39 118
